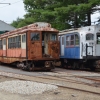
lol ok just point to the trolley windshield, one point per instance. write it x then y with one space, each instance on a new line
89 36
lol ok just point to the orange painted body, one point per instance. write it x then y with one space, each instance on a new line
16 53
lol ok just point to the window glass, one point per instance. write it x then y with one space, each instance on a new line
1 44
76 39
4 41
67 40
98 38
19 41
14 42
53 37
24 38
72 40
58 38
62 40
35 36
89 36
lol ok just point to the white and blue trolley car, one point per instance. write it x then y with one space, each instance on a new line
80 47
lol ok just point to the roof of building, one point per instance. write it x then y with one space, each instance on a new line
5 27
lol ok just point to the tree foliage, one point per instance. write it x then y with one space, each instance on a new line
61 14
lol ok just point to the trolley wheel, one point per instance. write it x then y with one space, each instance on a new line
92 68
75 65
65 66
31 68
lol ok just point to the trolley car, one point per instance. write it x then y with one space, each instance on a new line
80 47
35 46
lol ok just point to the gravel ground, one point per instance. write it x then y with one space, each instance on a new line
26 87
52 94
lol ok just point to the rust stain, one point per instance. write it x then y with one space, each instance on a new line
54 49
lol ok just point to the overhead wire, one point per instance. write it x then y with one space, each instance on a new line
12 3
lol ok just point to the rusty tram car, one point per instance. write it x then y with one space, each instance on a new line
32 47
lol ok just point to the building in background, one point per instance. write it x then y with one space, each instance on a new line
4 27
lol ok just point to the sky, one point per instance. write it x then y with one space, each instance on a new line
11 12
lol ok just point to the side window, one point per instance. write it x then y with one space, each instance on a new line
9 45
98 38
4 41
14 42
24 38
16 38
72 40
19 41
35 36
62 40
76 39
0 44
59 38
67 40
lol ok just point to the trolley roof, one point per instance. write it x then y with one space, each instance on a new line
38 26
91 28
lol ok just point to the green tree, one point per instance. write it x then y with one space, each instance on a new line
79 11
61 14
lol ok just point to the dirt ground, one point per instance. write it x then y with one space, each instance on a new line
58 94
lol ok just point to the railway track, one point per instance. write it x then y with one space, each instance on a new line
86 80
60 79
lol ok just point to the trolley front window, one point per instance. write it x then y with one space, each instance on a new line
35 36
53 37
89 36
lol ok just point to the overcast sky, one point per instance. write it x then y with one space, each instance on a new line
8 13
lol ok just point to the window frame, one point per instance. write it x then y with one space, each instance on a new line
14 42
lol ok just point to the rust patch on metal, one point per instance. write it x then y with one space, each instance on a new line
54 49
11 60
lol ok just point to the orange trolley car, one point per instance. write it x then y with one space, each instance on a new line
31 47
